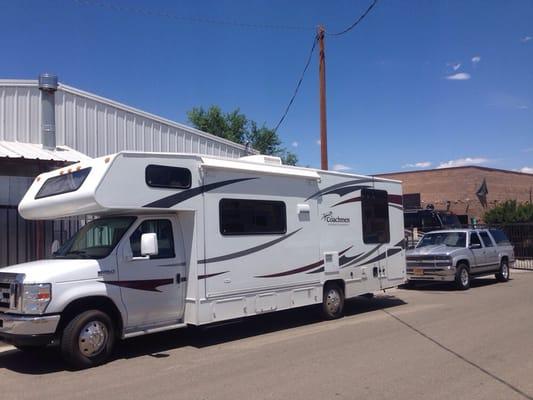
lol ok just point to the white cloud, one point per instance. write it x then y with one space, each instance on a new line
422 164
318 142
527 150
476 59
523 107
526 39
341 167
455 66
461 162
295 144
526 170
461 76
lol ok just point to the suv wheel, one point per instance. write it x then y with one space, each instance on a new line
503 274
462 277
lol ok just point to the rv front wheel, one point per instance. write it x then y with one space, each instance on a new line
333 301
88 339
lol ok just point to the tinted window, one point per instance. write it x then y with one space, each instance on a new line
411 220
63 183
375 209
429 219
499 236
165 239
474 238
168 177
252 217
486 239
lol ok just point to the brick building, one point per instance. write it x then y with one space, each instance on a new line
461 190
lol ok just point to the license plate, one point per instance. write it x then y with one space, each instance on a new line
418 271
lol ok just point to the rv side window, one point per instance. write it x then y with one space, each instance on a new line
375 209
252 217
165 239
168 177
63 183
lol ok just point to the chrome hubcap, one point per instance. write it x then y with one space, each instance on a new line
333 301
505 271
464 277
93 338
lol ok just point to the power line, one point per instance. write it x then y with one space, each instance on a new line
190 20
357 21
315 39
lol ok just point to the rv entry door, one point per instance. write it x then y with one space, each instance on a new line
153 287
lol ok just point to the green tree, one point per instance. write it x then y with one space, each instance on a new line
509 212
238 128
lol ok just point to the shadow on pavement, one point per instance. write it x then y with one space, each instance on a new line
48 360
449 286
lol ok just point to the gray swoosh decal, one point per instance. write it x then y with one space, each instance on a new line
247 251
338 185
173 199
363 256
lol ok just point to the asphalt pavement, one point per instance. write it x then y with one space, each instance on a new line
429 343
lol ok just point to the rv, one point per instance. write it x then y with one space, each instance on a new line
180 239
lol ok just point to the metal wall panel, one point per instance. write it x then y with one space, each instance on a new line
97 126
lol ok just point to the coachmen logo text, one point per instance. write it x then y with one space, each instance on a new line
331 219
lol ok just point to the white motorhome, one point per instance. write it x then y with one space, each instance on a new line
185 239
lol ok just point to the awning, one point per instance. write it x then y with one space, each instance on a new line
33 151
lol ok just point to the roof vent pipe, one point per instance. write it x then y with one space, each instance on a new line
48 87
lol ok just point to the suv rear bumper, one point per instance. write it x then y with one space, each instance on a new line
28 330
435 274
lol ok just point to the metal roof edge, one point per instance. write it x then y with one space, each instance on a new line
18 82
124 107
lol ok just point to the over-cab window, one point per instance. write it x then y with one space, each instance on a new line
252 217
63 183
162 176
165 239
375 209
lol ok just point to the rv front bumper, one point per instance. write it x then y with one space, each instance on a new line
435 274
28 330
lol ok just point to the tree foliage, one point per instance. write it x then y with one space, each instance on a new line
236 127
509 212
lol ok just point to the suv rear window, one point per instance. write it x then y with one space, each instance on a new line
499 236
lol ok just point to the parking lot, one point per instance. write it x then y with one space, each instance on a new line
430 343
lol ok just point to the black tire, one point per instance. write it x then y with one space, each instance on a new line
410 284
100 338
462 277
333 301
504 272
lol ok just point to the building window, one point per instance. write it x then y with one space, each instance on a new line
165 239
252 217
168 177
63 183
375 210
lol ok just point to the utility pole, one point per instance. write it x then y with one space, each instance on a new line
323 121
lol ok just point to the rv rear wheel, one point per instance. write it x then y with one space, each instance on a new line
333 301
87 340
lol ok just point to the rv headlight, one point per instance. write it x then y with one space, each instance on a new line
35 297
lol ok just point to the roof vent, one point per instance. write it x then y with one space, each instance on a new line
262 159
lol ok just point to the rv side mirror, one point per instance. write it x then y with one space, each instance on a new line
149 244
475 246
55 246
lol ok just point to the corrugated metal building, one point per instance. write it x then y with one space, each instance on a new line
45 125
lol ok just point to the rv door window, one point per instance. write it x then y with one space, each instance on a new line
167 177
165 239
252 217
375 209
63 183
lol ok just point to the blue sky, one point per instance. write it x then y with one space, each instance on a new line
392 102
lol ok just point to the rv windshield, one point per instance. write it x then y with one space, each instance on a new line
450 239
96 239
